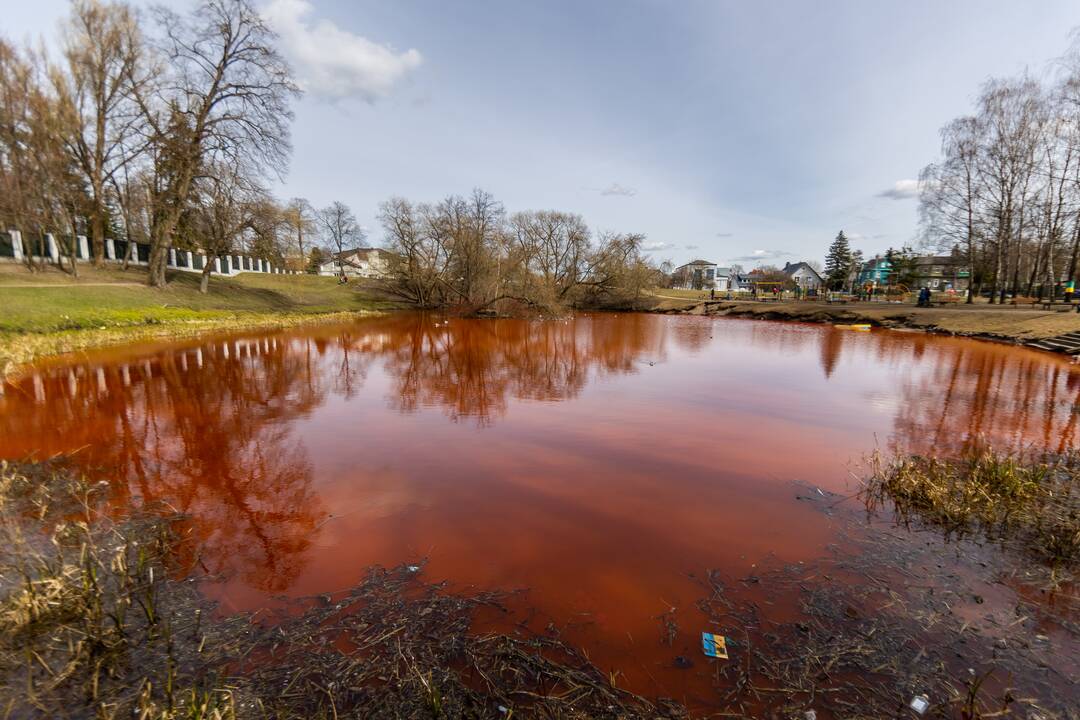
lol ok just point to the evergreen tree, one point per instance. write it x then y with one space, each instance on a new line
838 262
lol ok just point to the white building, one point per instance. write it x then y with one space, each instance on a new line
702 275
359 262
804 276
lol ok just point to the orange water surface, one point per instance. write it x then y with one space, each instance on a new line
597 461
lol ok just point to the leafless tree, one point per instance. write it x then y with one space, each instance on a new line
340 229
225 205
224 99
104 55
299 217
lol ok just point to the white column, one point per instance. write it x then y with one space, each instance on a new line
50 242
110 249
172 257
190 260
84 248
16 243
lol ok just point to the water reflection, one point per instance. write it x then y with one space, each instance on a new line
262 441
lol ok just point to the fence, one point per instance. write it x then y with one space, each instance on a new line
14 248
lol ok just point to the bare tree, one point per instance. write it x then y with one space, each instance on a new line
226 203
299 217
224 98
103 56
340 229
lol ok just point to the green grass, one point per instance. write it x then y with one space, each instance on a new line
79 306
49 313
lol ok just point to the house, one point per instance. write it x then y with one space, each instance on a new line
874 271
359 262
724 279
941 273
696 275
805 277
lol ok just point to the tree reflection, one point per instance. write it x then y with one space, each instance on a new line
215 430
471 369
958 396
204 431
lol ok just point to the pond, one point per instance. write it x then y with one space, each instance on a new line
602 462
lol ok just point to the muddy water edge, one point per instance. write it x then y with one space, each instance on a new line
624 482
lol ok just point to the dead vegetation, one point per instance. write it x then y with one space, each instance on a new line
1032 505
97 622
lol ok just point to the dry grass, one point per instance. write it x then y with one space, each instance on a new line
1029 504
90 624
96 621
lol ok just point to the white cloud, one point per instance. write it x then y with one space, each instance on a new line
657 246
690 247
335 63
902 190
617 189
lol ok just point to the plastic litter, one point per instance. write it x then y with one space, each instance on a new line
714 645
857 326
413 568
810 715
919 703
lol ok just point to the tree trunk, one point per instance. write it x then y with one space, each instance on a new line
1075 251
159 253
204 281
97 236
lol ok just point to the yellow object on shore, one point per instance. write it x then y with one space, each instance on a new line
866 326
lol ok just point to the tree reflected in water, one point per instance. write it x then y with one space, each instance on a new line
222 430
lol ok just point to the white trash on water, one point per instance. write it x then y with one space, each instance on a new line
919 704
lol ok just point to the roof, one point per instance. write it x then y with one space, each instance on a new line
362 253
697 262
792 268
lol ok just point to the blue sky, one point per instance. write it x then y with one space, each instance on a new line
735 131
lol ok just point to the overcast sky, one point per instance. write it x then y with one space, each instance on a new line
733 131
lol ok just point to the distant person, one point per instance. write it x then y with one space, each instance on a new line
924 297
712 293
1069 290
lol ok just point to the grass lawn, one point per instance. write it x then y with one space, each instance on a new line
51 301
49 312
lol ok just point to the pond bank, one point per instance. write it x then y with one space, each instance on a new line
49 313
984 322
101 618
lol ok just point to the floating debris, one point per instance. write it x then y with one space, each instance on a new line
714 645
920 704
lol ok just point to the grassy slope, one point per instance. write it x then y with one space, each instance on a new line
113 298
49 313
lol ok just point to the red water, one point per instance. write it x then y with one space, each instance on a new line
598 461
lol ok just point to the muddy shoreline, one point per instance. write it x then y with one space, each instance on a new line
1005 325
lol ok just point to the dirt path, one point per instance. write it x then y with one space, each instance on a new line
74 284
1002 323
